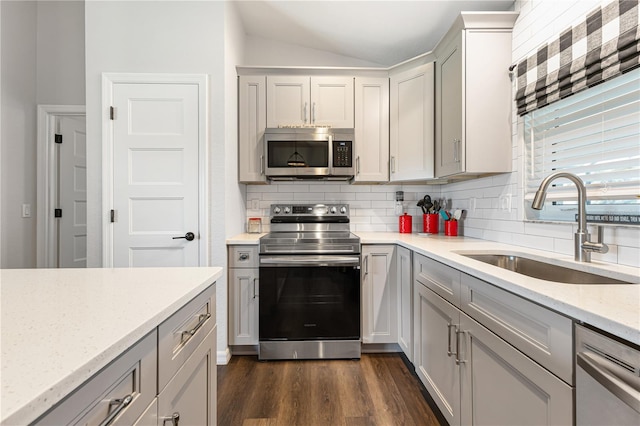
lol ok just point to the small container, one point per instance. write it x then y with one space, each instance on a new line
254 225
430 223
404 224
451 228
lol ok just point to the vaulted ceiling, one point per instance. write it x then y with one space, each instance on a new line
382 32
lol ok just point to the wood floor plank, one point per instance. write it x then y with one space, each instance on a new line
377 390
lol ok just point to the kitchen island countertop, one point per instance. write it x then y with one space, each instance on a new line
61 326
614 308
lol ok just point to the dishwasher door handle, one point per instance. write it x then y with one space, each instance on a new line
616 385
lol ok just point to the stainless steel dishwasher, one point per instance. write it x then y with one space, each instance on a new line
607 380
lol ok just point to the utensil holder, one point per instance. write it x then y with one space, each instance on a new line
451 228
430 223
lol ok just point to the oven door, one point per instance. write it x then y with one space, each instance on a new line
309 297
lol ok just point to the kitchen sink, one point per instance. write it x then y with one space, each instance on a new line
543 270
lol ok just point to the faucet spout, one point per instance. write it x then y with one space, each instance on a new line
582 246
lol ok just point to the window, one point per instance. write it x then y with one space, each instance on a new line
594 134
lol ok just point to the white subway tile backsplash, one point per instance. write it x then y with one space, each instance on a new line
629 256
371 196
278 196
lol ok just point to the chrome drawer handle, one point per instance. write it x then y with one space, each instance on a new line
459 359
449 351
121 404
202 318
174 419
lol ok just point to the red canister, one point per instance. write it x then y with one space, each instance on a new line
404 223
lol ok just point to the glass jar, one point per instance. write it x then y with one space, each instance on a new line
254 226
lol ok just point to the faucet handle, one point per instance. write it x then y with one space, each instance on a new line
598 246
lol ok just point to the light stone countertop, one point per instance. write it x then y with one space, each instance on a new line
61 326
612 308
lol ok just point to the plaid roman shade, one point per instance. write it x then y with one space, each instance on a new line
605 45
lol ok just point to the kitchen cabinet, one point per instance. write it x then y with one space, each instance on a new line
411 124
404 282
473 97
243 295
252 121
315 101
171 370
474 370
372 129
379 295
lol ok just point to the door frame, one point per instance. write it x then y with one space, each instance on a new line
109 80
47 181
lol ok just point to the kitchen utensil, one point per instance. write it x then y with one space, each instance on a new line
457 214
421 205
436 206
444 214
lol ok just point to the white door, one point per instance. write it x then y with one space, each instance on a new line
156 133
72 190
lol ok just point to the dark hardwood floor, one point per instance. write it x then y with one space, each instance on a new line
376 390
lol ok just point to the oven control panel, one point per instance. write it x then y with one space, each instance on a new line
309 210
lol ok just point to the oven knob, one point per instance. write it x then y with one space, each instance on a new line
343 210
287 210
333 210
276 209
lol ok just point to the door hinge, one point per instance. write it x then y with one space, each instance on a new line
113 216
57 138
112 113
57 213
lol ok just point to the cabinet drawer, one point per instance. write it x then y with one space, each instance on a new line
243 257
191 393
132 374
543 335
181 334
440 278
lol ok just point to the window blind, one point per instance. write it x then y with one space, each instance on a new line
594 134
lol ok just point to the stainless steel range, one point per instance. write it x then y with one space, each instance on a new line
309 284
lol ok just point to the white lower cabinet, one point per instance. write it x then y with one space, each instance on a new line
379 295
473 375
244 290
190 396
404 283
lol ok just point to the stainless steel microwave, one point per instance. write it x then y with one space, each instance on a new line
309 153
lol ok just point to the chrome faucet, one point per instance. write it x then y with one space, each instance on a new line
582 246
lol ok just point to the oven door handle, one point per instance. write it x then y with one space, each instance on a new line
304 260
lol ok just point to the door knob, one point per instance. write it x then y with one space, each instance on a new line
189 236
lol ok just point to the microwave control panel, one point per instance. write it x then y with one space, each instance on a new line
342 154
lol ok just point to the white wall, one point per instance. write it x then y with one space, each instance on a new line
18 138
42 63
264 52
539 21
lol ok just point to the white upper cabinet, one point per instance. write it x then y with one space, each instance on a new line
372 129
310 101
252 120
473 96
411 124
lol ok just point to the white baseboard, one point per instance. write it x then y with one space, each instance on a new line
223 357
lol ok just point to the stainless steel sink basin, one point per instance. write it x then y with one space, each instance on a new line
543 270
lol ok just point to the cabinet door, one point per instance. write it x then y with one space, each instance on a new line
372 129
434 357
411 124
501 386
252 120
332 101
288 102
379 295
405 299
191 394
449 94
243 306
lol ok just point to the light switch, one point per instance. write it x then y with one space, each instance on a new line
26 210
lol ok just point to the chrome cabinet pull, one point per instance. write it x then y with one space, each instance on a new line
305 113
449 351
254 288
121 404
243 256
459 359
393 164
313 113
174 419
358 165
366 265
202 318
455 150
